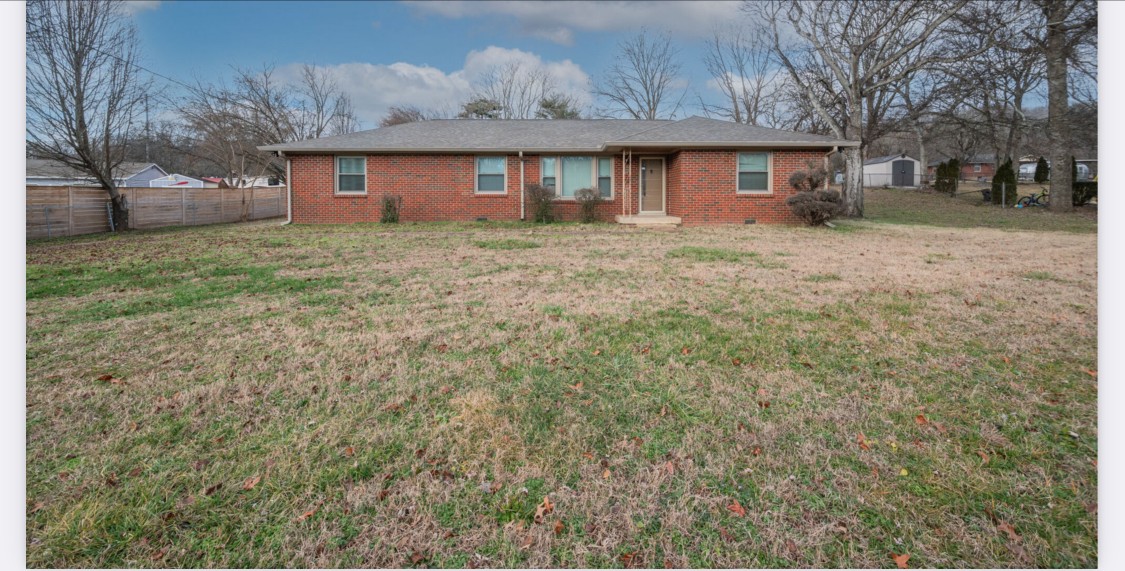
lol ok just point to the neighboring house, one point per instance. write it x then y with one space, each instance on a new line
44 172
177 181
694 171
214 182
899 170
977 167
1087 169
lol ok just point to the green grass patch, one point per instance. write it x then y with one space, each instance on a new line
506 244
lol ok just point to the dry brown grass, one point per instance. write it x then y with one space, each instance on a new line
422 394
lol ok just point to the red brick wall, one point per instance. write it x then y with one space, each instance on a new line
701 189
702 186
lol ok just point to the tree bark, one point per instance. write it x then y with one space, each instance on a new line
853 165
1058 108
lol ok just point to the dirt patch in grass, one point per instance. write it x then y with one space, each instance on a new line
403 397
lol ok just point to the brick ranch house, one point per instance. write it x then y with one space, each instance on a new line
690 171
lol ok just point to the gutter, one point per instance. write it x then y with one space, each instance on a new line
599 149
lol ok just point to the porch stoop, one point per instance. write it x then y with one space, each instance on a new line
649 220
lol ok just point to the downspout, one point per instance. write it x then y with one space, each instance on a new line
288 189
523 215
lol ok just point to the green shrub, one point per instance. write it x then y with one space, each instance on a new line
392 205
1042 171
588 200
542 199
1084 192
946 176
816 207
1006 176
808 180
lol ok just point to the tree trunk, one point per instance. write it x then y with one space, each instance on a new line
853 163
922 155
1058 120
853 182
120 210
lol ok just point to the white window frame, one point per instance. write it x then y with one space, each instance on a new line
769 173
976 167
476 176
594 178
336 168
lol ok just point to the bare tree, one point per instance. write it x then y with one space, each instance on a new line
1069 24
739 62
861 49
642 81
399 114
84 95
516 89
230 122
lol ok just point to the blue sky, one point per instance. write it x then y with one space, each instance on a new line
423 53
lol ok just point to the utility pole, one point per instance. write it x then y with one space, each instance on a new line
148 131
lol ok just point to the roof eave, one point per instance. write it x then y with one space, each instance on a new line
601 149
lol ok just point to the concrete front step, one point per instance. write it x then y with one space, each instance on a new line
649 220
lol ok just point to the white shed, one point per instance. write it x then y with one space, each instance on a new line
175 180
899 170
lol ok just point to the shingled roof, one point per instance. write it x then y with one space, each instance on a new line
569 135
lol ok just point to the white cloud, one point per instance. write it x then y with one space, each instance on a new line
374 88
555 21
135 6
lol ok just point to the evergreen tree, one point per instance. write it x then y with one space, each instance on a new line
1006 176
1042 171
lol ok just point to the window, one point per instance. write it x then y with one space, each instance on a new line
753 172
351 175
491 174
569 174
547 167
976 167
605 177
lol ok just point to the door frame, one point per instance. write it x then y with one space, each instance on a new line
663 185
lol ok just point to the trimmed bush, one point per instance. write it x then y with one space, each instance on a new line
1005 175
1042 171
542 199
392 205
816 207
588 200
1084 192
946 177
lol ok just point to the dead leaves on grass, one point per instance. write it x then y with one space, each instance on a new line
544 509
737 509
251 482
900 560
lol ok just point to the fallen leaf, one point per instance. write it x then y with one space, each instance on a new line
588 455
737 509
920 419
543 509
132 427
723 533
111 480
862 440
1007 361
105 377
670 467
308 514
251 482
736 362
159 555
416 558
901 560
212 489
664 410
597 352
1092 373
38 506
763 404
1008 529
553 317
757 451
685 351
559 527
605 475
64 476
577 386
628 558
528 540
792 547
445 389
349 451
983 456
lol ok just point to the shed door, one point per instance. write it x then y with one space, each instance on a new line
902 173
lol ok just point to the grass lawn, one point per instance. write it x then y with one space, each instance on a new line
258 395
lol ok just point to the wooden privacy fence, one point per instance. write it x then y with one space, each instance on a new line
54 211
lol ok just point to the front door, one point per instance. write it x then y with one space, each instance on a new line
652 185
